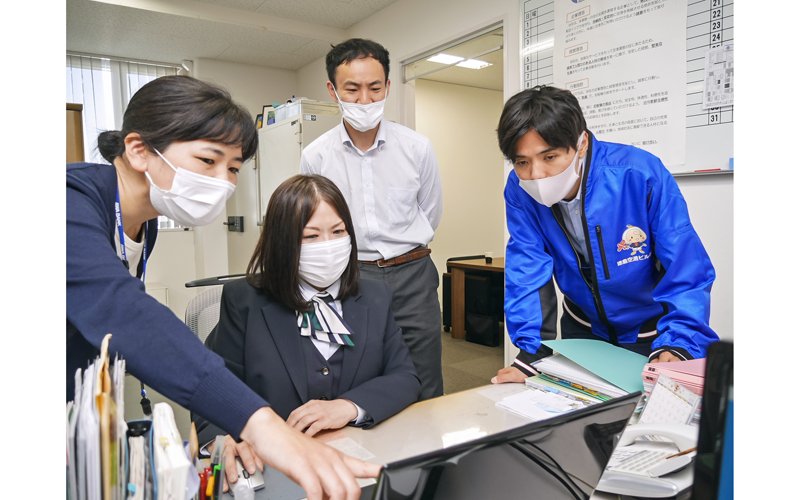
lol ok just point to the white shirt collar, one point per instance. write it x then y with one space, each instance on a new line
380 138
309 291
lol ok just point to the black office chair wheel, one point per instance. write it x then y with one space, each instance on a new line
447 329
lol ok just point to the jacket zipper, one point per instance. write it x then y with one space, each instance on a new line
602 250
577 258
598 303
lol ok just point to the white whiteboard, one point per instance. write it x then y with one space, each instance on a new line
709 23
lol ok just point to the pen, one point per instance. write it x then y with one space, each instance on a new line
709 170
217 482
210 488
203 485
682 453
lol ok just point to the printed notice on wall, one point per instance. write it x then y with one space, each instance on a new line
625 61
718 83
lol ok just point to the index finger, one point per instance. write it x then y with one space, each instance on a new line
230 464
296 415
247 457
361 469
337 481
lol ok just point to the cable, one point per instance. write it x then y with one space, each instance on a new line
547 469
569 478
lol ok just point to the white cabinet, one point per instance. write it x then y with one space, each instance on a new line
280 144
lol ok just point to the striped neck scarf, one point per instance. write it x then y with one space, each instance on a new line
323 322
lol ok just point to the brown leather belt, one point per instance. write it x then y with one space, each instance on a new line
414 254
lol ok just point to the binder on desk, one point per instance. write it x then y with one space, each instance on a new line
611 363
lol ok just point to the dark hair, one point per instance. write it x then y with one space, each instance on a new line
276 260
355 48
554 113
178 109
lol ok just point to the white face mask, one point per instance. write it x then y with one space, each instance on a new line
323 263
551 190
193 199
362 117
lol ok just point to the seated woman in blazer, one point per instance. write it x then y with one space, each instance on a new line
302 331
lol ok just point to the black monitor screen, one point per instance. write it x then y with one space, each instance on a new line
715 441
558 458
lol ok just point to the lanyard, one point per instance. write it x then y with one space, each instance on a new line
118 213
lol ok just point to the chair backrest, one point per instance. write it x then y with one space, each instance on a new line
202 313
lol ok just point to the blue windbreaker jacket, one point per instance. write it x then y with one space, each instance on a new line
646 262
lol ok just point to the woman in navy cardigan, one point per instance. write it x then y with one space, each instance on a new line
302 331
181 144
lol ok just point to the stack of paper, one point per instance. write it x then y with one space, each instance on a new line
690 374
543 383
570 374
539 405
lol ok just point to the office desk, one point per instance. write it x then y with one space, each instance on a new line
457 288
432 425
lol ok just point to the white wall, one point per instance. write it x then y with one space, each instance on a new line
460 122
253 87
173 264
710 201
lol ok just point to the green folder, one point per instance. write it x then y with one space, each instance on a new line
613 364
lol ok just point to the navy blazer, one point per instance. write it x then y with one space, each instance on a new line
261 344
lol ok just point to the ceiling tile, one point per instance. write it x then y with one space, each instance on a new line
107 41
174 50
336 14
313 49
245 55
119 17
249 5
112 30
254 38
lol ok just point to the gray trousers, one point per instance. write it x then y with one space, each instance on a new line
415 304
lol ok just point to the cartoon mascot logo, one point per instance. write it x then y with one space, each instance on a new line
632 239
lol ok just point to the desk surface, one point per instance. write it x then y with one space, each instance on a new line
433 425
497 265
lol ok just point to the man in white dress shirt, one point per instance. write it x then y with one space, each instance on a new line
390 178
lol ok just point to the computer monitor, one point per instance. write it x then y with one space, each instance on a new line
713 471
557 458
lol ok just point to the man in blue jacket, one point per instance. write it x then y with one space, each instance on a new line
609 223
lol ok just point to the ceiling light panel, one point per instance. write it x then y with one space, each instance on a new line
445 58
474 64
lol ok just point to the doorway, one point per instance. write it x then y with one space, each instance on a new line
458 99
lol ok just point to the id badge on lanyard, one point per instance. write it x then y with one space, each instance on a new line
118 213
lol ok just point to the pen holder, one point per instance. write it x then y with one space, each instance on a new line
488 257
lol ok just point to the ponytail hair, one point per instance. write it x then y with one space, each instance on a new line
181 109
111 144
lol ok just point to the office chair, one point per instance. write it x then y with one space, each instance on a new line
202 313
